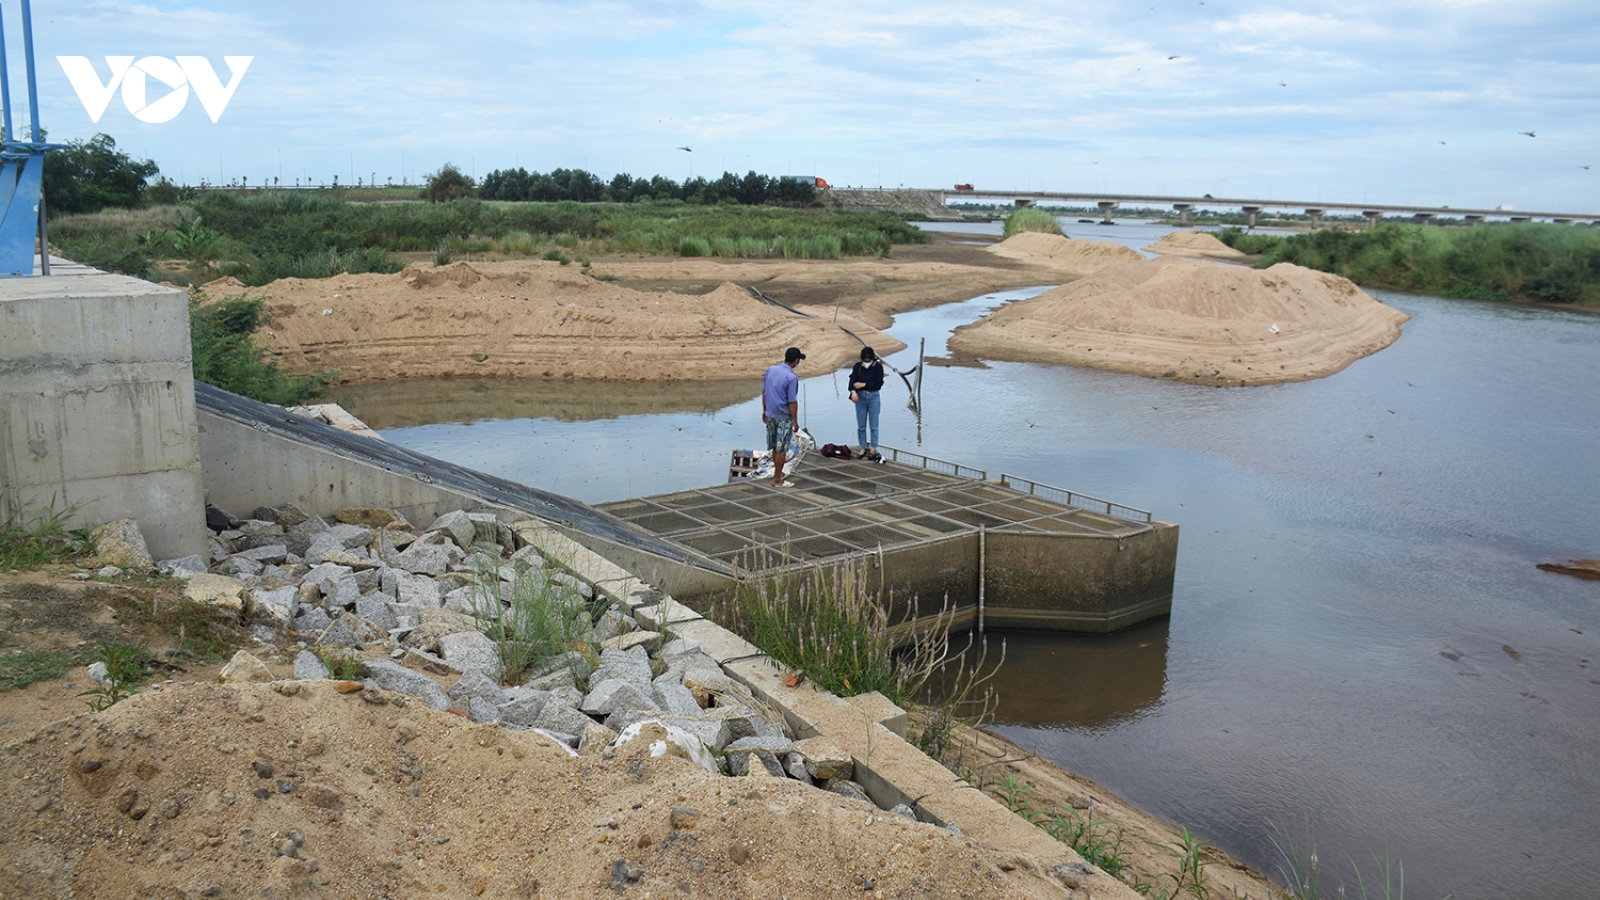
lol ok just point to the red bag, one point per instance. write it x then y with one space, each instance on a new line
836 451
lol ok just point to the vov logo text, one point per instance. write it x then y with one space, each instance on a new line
178 76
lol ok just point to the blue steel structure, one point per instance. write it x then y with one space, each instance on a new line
22 171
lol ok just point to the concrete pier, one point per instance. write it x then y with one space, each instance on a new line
97 405
1316 214
1106 206
1002 552
1183 212
1252 212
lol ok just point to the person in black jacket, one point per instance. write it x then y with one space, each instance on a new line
866 381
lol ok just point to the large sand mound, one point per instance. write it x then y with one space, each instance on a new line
1196 321
1063 254
535 319
1193 243
296 790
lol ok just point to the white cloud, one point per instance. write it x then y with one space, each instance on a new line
1351 93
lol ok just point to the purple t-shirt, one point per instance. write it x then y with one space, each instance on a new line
779 388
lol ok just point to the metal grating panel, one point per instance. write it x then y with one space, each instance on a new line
666 521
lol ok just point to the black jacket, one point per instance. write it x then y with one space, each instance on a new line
871 375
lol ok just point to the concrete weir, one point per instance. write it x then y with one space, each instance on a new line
1005 552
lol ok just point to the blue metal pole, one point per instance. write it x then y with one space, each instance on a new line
33 83
5 80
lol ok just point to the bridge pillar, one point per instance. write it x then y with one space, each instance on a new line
1562 221
1252 212
1316 216
1372 216
1106 206
1183 212
1521 220
1423 218
1024 202
1473 218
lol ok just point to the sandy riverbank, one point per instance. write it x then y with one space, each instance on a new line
653 319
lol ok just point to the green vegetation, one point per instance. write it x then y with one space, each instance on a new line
447 184
30 538
279 234
342 663
225 353
1031 219
544 619
1550 263
826 624
125 668
22 667
1249 241
1098 841
92 175
205 632
1301 872
751 189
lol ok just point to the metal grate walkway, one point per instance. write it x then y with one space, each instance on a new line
842 507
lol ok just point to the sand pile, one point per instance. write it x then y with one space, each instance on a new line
294 789
1195 321
1063 254
535 319
1193 243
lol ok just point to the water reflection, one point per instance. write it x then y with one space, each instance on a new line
431 401
1083 681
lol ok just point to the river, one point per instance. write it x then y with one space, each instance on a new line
1360 644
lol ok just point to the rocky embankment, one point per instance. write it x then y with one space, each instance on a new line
427 602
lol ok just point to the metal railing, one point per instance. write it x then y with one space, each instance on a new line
932 464
1074 498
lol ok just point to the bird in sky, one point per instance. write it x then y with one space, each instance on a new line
1281 84
1583 167
1528 133
1174 57
686 149
1441 142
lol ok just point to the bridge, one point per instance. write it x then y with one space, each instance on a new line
1252 208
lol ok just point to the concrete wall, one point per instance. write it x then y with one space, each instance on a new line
1079 583
97 405
246 468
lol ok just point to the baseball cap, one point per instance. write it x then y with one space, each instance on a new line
792 354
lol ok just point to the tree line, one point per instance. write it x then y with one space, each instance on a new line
751 189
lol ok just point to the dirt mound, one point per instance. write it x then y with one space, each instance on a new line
1193 243
536 319
1201 322
296 789
1063 254
226 285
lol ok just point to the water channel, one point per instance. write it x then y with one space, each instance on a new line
1360 643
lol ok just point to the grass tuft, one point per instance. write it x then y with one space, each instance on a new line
31 537
1032 219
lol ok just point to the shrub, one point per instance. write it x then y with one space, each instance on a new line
448 184
225 354
1031 219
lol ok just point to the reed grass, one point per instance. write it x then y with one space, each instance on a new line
277 234
1031 219
828 623
1530 261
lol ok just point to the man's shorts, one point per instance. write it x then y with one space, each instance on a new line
780 434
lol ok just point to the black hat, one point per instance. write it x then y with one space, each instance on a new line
792 354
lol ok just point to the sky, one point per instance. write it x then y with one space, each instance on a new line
1362 101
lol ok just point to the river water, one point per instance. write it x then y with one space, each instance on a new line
1360 646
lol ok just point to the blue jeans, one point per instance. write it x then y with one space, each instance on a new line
867 406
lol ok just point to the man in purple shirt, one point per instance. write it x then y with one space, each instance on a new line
780 407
